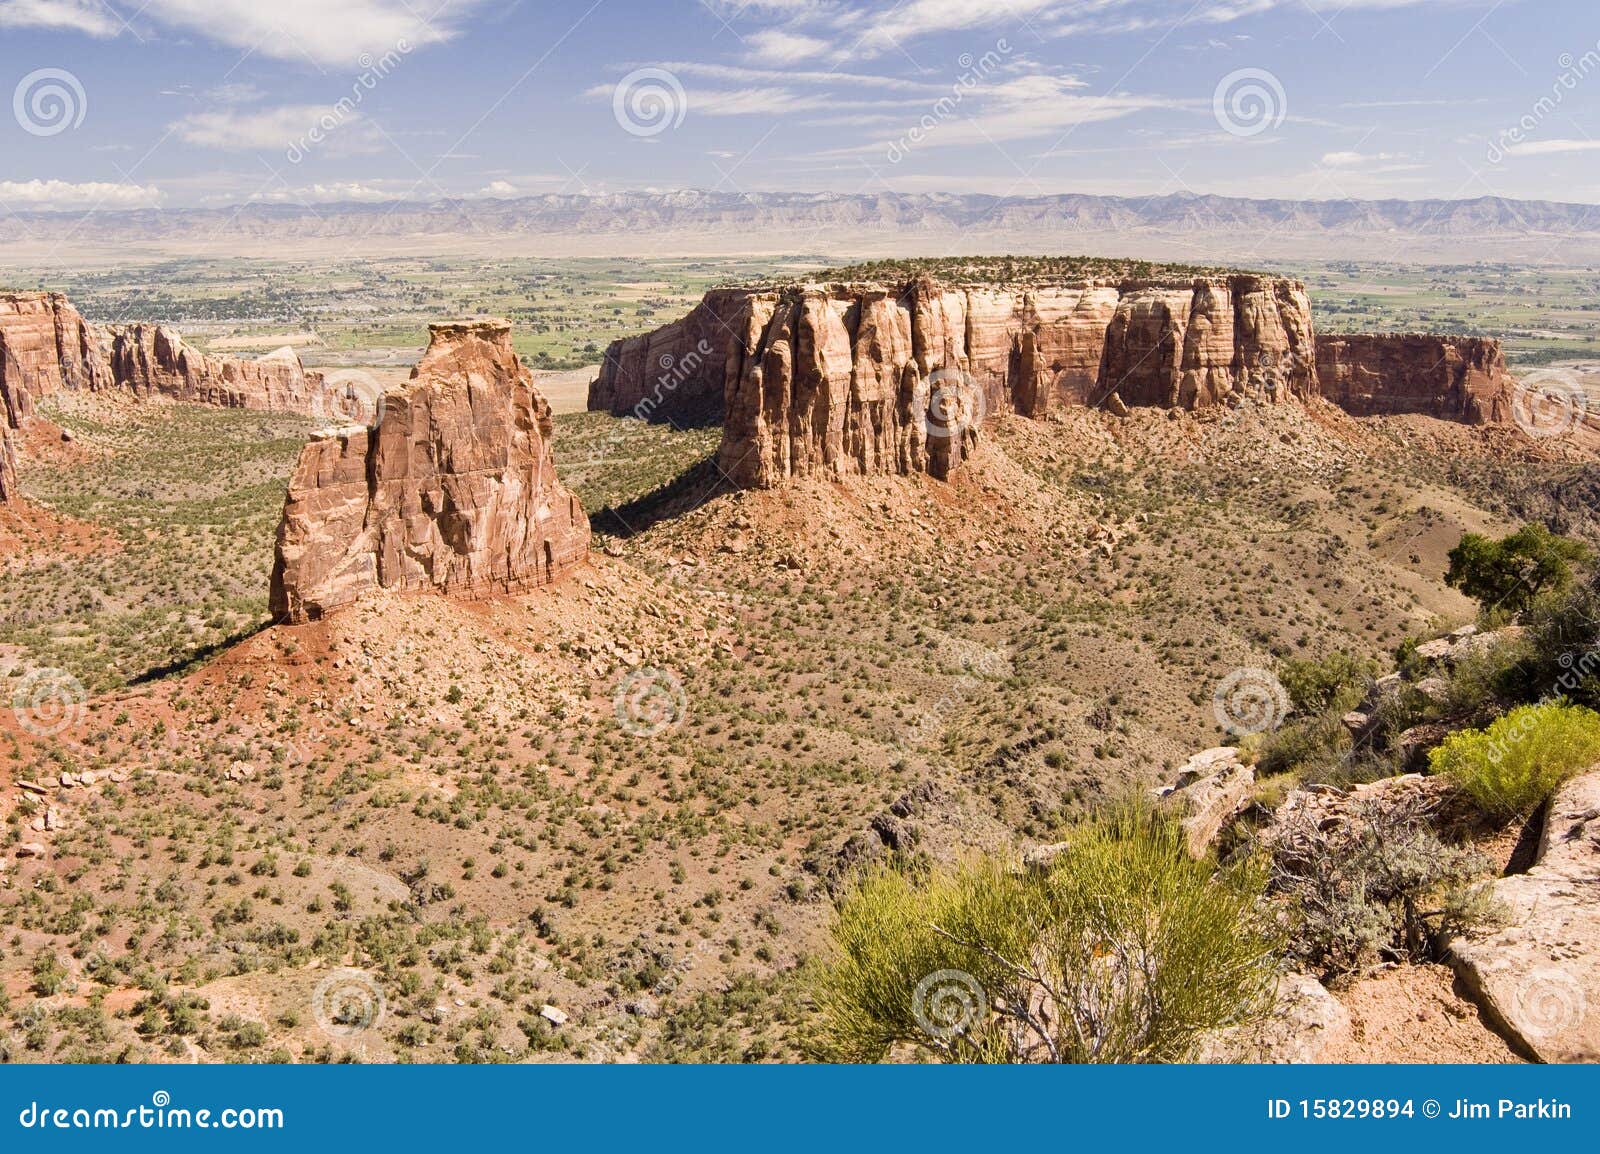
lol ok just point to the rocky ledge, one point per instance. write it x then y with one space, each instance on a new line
453 489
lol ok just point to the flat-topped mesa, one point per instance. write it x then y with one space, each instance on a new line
453 490
870 379
152 359
1455 378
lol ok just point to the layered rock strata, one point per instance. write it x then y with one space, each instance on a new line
453 490
1182 343
1461 379
867 380
49 347
677 372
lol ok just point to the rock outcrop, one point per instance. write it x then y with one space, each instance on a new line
152 359
46 347
8 463
1462 379
870 378
453 490
1211 790
1538 974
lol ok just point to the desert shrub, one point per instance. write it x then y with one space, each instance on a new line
1382 885
1123 950
1507 575
1337 681
1309 745
1513 767
1561 650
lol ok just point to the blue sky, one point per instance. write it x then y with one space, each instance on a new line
210 102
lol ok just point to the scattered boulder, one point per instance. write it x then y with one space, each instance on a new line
1212 789
552 1015
1538 975
1306 1019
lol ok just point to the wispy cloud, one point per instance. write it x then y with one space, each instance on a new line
267 129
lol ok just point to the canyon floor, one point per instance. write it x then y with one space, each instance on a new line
602 820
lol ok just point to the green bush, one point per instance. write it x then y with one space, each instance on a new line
1310 745
1514 766
1123 950
1338 681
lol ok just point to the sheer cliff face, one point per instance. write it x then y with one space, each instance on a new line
454 490
8 465
45 346
1456 378
676 372
865 380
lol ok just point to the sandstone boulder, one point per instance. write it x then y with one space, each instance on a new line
1539 974
454 490
1305 1021
1212 789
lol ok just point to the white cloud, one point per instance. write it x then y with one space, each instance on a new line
1550 147
499 188
261 130
753 101
776 46
332 35
62 194
1355 159
1022 108
87 16
345 191
842 80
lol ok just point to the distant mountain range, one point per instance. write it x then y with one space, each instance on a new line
822 221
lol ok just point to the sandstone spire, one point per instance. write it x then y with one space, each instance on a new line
453 489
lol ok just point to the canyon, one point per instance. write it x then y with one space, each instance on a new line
453 489
872 378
